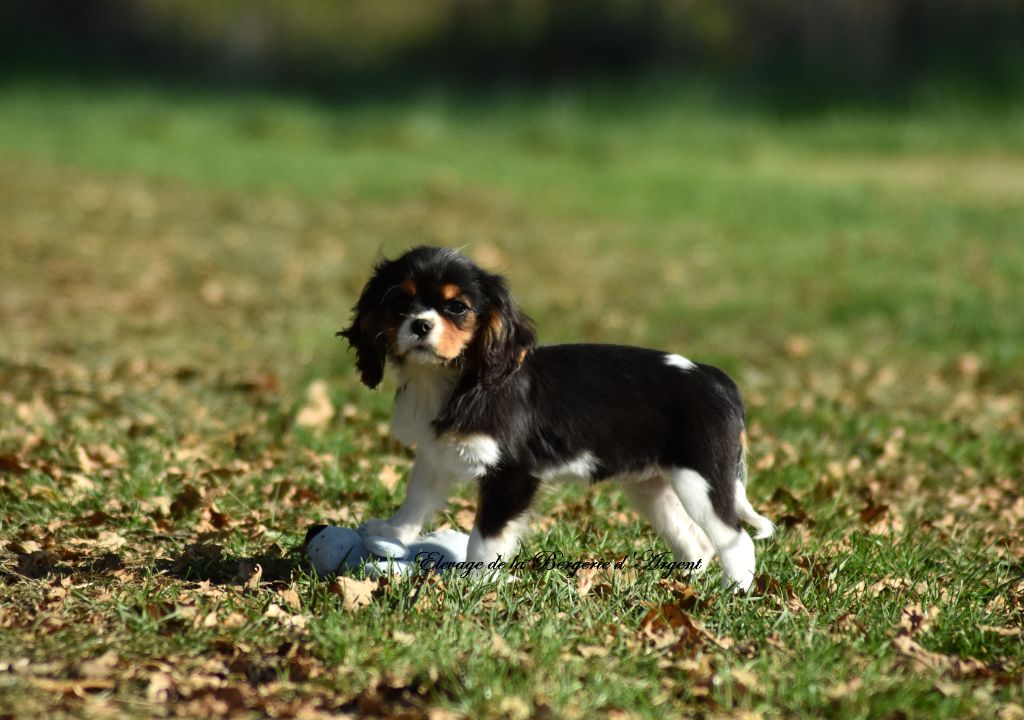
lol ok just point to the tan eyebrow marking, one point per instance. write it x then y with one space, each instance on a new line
450 291
408 287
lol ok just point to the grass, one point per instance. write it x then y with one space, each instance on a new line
174 267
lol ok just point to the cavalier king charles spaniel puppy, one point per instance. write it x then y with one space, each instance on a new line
481 400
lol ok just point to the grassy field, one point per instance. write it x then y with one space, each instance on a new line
175 411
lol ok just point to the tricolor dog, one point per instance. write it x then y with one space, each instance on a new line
483 402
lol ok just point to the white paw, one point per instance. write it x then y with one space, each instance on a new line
384 529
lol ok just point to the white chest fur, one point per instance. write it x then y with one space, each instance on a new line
422 392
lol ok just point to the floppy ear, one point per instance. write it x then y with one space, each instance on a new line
506 334
366 333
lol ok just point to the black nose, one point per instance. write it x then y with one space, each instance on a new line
421 328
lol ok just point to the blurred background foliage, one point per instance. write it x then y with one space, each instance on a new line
795 53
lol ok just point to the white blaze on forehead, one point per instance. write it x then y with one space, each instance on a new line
581 466
680 362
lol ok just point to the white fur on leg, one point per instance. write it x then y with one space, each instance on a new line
734 547
656 501
502 546
426 493
738 561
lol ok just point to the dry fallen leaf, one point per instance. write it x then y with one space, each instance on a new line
160 687
85 463
388 477
465 518
318 410
914 619
872 512
844 689
668 626
276 612
36 413
585 581
99 667
746 679
290 597
403 637
187 500
212 292
895 584
686 596
110 540
798 346
969 366
514 707
501 649
1011 711
923 659
233 620
354 593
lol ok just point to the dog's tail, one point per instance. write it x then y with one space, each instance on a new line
763 527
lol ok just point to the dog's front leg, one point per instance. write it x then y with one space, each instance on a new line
501 515
427 492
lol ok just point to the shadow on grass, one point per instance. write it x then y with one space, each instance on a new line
31 564
199 562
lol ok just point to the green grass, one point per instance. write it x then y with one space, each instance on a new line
174 267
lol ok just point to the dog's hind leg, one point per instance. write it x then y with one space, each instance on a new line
764 528
658 503
732 543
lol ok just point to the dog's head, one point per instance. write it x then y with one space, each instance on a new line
433 306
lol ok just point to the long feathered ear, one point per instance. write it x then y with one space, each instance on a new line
506 335
366 334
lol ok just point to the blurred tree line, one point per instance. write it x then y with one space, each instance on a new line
801 49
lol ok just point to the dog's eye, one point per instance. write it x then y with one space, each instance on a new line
454 307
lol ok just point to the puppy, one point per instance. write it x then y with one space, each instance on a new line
481 400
